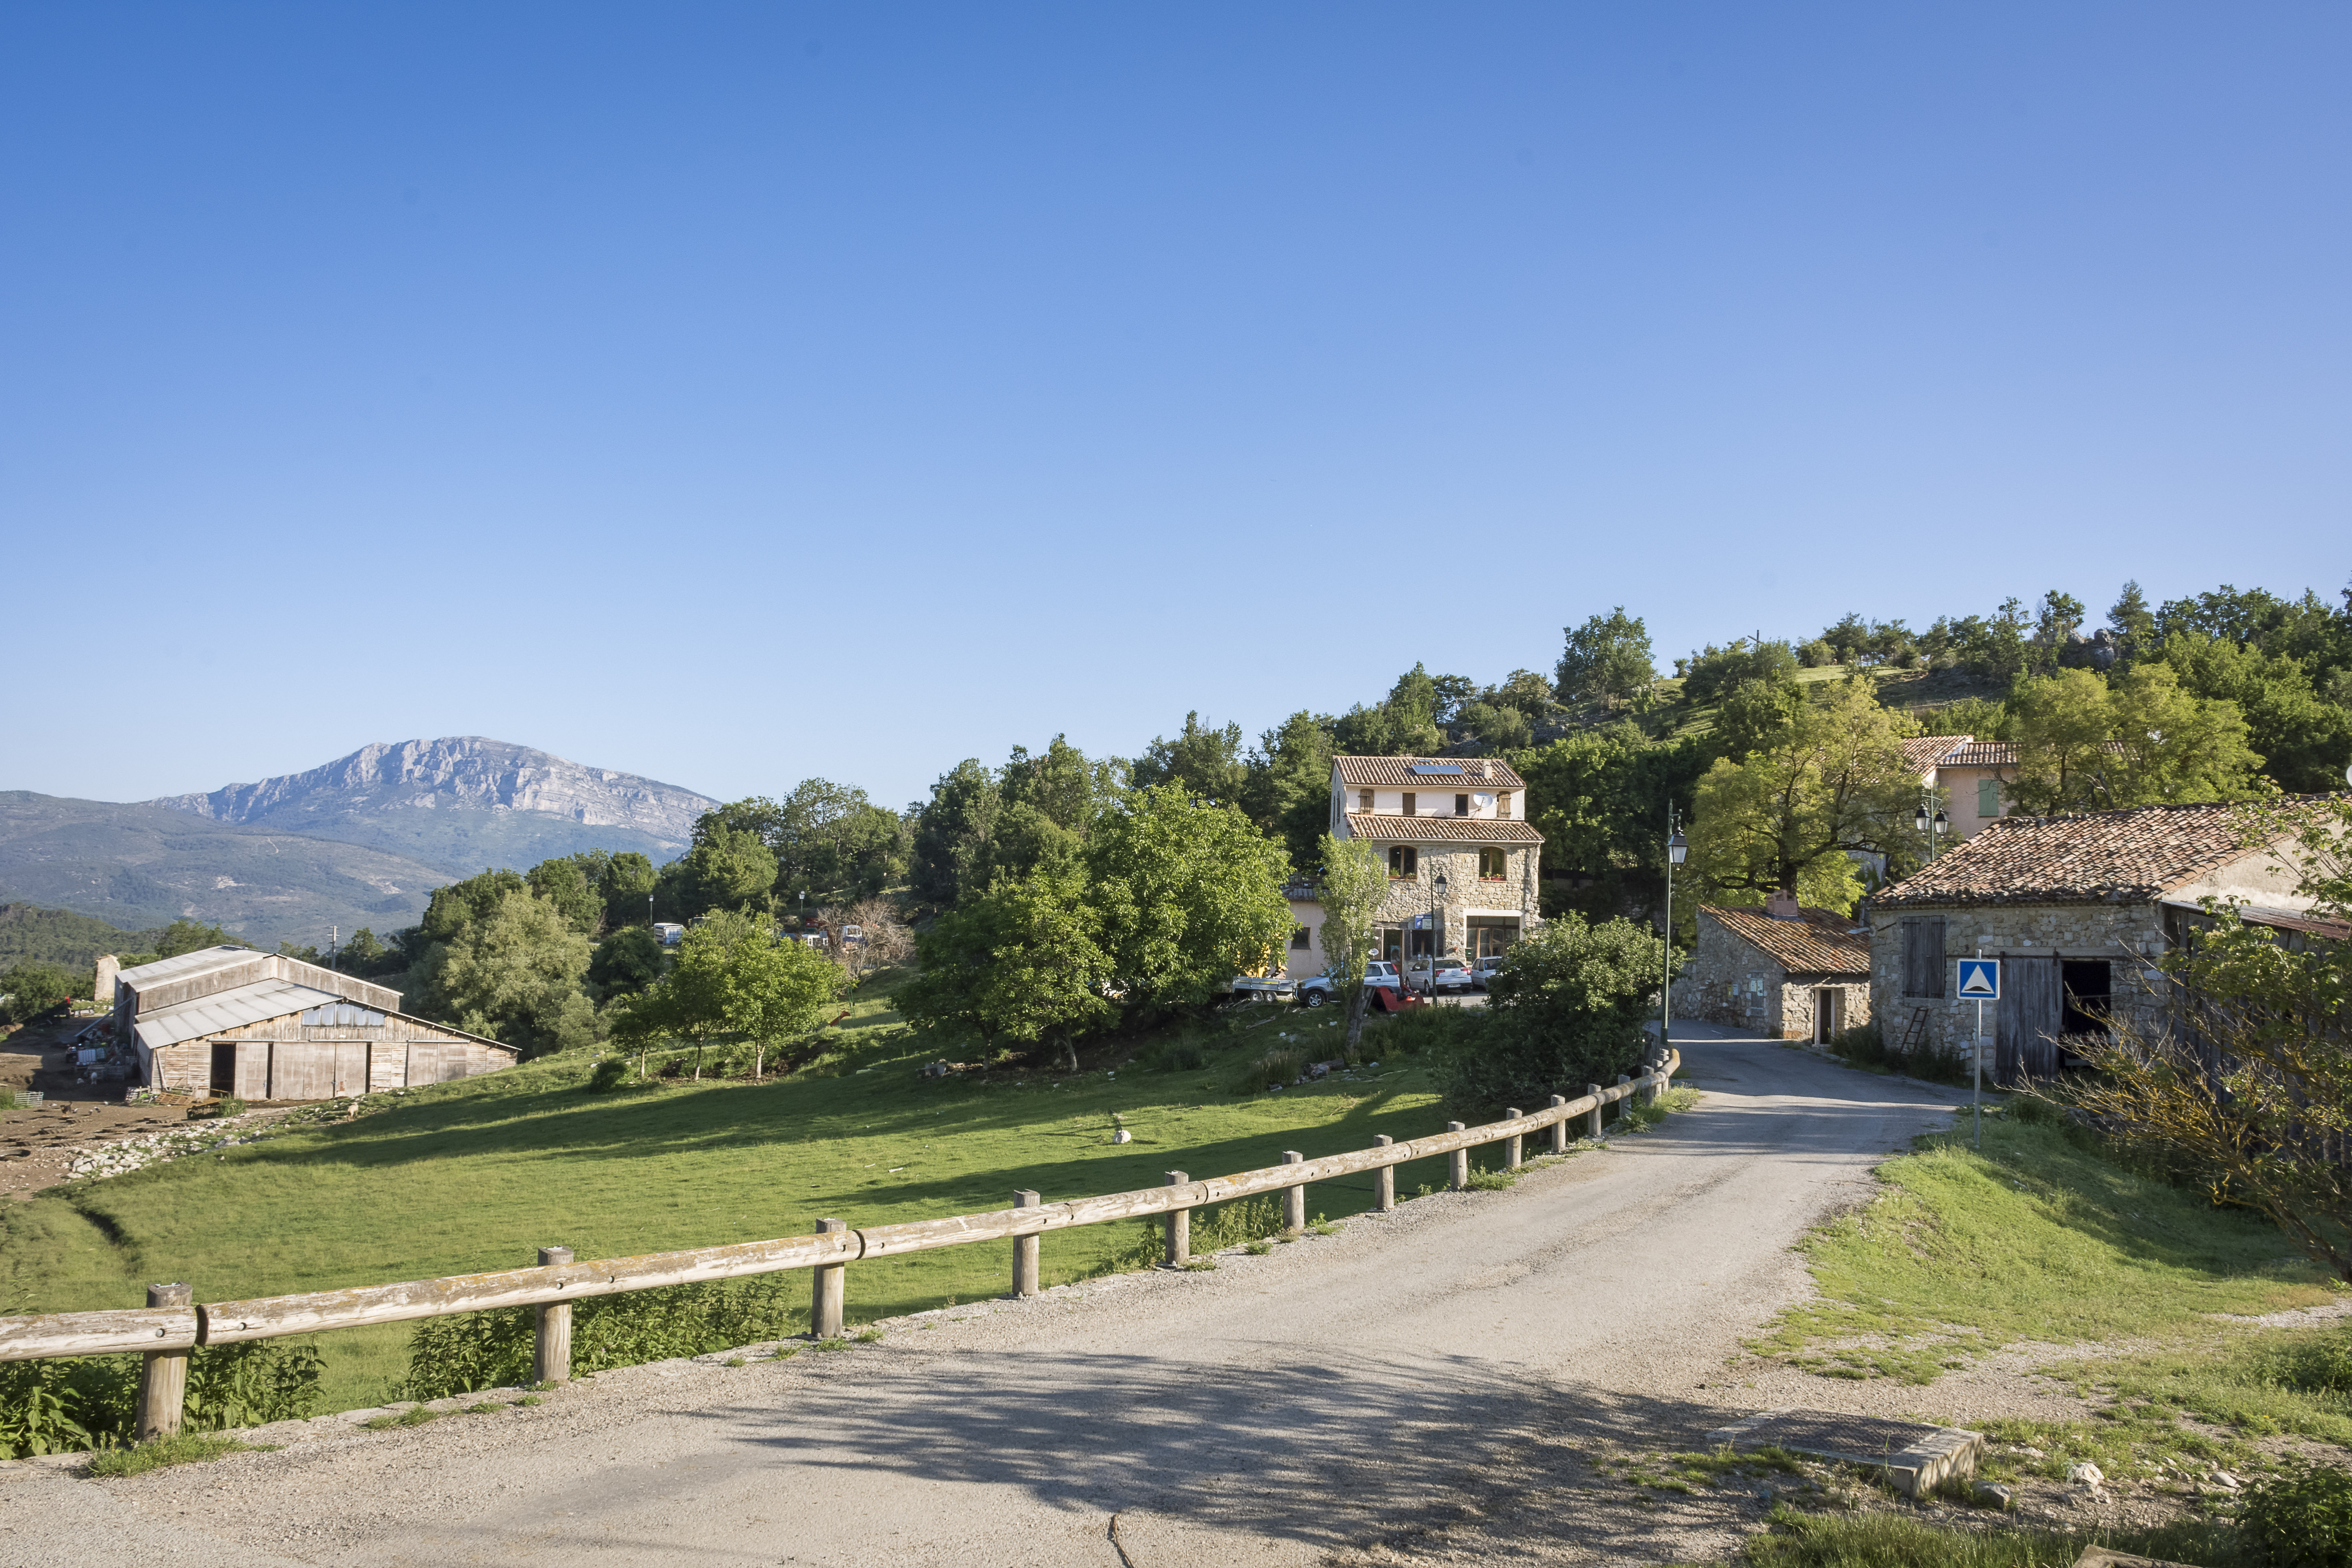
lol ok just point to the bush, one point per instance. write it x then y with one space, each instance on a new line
2320 1365
1270 1068
1566 1009
611 1073
1865 1045
473 1350
63 1406
2300 1516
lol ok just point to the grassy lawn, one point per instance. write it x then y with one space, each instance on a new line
477 1174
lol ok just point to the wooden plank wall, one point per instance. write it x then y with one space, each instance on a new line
281 1058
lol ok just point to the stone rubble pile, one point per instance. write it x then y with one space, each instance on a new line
94 1162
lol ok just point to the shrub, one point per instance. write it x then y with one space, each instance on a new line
1221 1226
1865 1045
1438 1029
1270 1068
2319 1364
472 1351
2300 1516
254 1382
611 1073
37 1411
1565 1010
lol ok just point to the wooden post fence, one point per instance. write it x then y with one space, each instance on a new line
172 1324
551 1356
1024 1250
1513 1149
1180 1225
826 1287
163 1374
1592 1122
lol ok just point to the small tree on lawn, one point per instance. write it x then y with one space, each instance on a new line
1355 881
772 989
2248 1082
1565 1010
1022 963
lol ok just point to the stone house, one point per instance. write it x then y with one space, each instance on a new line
1785 972
1464 818
261 1026
2078 910
1971 775
1304 957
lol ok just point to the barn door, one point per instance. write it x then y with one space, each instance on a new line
2028 1017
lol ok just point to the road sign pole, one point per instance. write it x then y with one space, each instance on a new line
1976 1069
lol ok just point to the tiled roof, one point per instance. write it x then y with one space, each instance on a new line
1488 773
1981 754
1387 827
1924 752
1817 942
2104 857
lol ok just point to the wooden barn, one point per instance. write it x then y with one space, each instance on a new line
260 1025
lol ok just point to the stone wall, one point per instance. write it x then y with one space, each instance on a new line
1732 981
1407 896
2129 937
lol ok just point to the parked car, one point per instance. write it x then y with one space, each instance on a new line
1321 990
1484 970
670 933
1453 975
1256 988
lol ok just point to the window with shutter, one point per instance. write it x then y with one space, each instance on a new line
1364 801
1922 956
1461 805
1988 798
1409 798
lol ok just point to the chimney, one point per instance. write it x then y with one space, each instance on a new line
1782 905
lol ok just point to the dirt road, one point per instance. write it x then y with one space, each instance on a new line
1385 1395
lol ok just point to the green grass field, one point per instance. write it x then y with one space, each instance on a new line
478 1174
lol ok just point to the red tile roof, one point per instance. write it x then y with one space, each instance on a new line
1924 752
1387 827
1981 754
1816 943
2104 858
1391 773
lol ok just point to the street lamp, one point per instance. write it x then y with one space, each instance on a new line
1436 929
1677 846
1933 826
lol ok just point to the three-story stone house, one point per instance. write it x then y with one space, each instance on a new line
1462 817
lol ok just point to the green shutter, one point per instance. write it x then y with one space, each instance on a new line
1988 797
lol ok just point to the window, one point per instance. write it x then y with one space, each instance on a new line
1364 801
1404 860
1503 806
1492 865
1461 805
1988 798
1299 939
1922 956
1408 803
2088 983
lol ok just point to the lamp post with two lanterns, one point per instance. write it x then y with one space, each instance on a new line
1934 827
1436 928
1677 846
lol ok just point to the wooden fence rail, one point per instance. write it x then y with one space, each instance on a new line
169 1326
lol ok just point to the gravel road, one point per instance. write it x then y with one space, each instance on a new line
1370 1396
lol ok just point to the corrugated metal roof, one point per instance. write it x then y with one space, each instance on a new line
227 1010
1387 827
2282 920
1397 772
186 965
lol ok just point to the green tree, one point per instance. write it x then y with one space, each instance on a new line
32 989
1354 884
182 936
2085 743
730 868
1189 895
767 990
565 883
1203 761
1565 1010
2134 621
1498 729
1787 817
449 911
1289 789
2060 616
1403 725
1607 659
2304 741
625 963
1600 799
953 832
1022 963
624 883
1710 673
513 974
1755 713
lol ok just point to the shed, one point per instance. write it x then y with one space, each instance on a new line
2078 910
261 1026
1794 972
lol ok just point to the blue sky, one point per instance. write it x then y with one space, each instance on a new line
738 394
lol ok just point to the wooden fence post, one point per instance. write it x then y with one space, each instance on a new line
1179 1227
1592 1122
1559 1127
1385 1180
826 1283
1458 1164
163 1374
551 1358
1513 1149
1024 1250
1294 1199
